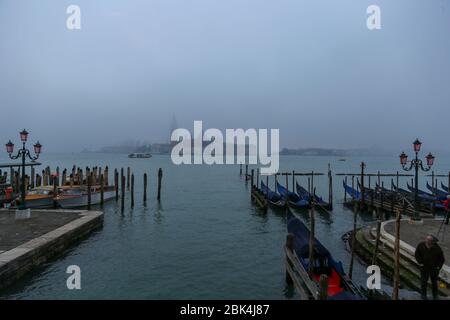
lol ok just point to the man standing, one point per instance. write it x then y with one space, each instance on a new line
430 258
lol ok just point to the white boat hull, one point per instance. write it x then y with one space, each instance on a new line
82 201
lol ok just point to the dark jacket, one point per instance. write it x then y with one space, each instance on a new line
431 258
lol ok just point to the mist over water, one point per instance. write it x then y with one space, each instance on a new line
310 68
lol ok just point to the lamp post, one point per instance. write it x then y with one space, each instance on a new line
24 152
416 164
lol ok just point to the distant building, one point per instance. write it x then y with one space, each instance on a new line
161 148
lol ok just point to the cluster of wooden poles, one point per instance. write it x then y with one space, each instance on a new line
89 177
128 184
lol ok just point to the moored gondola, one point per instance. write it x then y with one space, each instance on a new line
339 286
275 200
304 194
294 200
352 192
442 195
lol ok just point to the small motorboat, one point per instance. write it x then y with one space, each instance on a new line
39 198
74 197
139 155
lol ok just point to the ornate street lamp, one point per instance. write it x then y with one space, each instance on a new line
24 152
417 164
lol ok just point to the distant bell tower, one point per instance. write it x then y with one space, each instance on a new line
173 126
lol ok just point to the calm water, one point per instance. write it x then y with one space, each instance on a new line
204 240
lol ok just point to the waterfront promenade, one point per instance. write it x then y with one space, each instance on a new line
29 241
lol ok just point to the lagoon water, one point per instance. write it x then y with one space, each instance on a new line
204 240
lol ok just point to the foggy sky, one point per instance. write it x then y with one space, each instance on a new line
310 68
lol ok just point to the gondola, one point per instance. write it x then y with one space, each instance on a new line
425 198
304 194
340 287
422 194
442 195
445 188
275 200
294 200
352 192
400 190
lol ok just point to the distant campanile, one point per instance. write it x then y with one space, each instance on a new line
173 126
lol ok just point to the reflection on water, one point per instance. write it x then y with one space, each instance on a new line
204 240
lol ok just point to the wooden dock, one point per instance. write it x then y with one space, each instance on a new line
410 236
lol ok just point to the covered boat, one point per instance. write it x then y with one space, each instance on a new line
442 195
304 194
274 199
293 199
340 287
423 194
352 192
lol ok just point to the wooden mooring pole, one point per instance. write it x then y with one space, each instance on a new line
128 178
106 176
122 197
116 183
89 182
102 189
293 180
377 237
160 174
145 189
363 191
323 287
352 259
55 190
132 190
252 177
311 238
257 178
396 285
330 187
345 191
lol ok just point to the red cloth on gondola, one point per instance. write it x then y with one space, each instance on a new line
447 204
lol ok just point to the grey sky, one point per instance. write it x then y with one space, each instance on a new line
310 68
